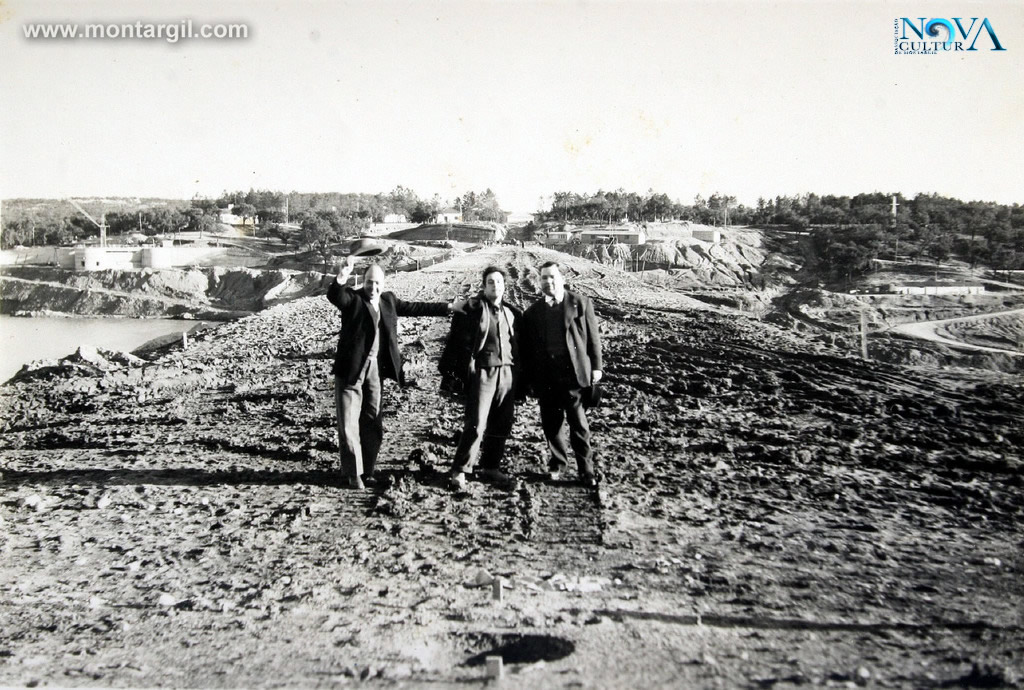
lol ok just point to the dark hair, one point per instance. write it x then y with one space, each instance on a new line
549 264
494 269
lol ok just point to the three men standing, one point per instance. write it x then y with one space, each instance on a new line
561 348
555 346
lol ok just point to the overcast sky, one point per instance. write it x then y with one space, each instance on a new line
527 98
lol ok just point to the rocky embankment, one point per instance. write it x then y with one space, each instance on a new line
207 293
773 512
673 258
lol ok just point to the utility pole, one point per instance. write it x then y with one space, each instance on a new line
896 256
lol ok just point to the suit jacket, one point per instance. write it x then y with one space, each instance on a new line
356 336
466 338
582 339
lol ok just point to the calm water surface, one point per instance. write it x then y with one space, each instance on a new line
29 338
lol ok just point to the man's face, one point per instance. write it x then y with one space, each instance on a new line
373 282
494 287
551 281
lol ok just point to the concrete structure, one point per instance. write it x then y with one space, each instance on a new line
107 258
609 235
714 236
395 218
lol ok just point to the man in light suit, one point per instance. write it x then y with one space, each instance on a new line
561 352
367 354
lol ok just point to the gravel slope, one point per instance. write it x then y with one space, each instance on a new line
773 513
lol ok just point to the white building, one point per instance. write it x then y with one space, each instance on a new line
609 235
449 215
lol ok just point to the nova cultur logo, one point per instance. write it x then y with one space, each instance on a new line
938 34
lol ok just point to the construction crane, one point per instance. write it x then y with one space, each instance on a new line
102 226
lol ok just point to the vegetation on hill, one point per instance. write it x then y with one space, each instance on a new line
846 233
371 208
34 222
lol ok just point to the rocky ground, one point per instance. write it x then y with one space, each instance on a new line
212 293
774 512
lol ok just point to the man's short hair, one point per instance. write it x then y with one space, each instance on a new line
494 269
549 264
371 267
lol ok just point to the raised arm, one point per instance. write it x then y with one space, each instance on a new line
404 308
337 292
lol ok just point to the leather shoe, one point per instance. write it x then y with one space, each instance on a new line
494 475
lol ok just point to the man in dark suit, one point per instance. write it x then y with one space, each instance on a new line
561 349
482 355
367 354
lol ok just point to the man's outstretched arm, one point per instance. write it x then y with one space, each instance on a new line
336 293
403 308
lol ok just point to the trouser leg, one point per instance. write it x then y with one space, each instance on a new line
371 426
579 432
499 422
552 419
348 401
479 397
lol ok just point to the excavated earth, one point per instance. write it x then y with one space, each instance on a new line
774 512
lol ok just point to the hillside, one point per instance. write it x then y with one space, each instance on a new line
209 293
774 512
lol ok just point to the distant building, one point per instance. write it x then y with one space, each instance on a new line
395 218
556 237
228 218
610 235
449 215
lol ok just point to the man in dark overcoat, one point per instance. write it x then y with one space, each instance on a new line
367 354
561 350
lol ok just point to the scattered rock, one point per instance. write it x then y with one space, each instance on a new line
479 578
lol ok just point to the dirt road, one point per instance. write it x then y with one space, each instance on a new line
930 330
773 513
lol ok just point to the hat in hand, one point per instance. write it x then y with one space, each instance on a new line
364 247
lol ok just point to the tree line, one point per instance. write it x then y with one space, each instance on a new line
52 222
845 233
374 208
620 206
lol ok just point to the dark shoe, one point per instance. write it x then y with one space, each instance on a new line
371 480
494 475
588 480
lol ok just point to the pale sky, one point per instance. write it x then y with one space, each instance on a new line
527 98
